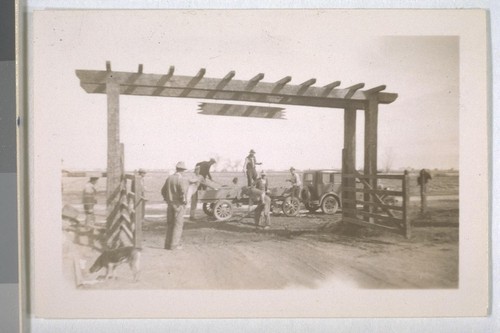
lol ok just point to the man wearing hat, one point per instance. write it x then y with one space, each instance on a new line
205 170
262 213
296 183
174 193
261 183
249 168
89 199
195 183
141 190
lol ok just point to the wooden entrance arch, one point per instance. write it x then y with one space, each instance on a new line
350 99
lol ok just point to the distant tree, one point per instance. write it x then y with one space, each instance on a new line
236 165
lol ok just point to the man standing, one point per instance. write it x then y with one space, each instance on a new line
141 190
174 193
296 183
205 170
249 168
192 193
89 200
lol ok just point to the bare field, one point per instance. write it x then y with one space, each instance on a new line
72 186
307 251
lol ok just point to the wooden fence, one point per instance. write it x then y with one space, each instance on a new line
123 226
376 207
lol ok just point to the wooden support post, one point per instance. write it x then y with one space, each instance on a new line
349 160
114 169
371 123
139 210
406 205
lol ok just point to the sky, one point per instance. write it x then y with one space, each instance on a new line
419 130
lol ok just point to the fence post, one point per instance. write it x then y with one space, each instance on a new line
423 197
406 204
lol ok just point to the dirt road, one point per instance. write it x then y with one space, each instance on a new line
308 251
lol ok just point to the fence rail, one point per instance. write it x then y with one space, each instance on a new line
377 205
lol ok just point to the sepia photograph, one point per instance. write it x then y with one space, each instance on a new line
258 163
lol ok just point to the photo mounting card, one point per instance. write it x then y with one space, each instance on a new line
372 139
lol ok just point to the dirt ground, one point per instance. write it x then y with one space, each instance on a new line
307 251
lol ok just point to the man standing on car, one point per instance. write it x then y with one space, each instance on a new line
250 167
174 193
205 170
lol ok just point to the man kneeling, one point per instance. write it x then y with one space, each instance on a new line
262 215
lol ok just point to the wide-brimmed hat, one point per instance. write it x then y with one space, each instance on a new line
252 151
181 166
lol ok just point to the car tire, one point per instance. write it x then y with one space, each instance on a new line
329 205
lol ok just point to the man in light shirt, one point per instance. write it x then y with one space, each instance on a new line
296 183
174 193
89 200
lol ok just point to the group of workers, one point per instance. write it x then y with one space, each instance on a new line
179 191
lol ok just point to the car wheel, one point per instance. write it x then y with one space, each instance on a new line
329 205
208 208
291 206
223 210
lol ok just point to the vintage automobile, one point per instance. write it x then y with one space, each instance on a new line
320 189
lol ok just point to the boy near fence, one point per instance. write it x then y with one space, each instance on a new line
89 200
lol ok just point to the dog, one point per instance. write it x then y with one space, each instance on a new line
110 259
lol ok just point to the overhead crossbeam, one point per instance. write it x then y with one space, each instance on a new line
226 88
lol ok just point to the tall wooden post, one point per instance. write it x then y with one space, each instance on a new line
114 168
406 204
370 169
139 209
349 161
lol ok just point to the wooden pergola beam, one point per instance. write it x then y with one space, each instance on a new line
198 86
277 98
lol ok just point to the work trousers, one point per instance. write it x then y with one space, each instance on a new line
175 223
296 191
251 176
194 204
89 213
266 208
